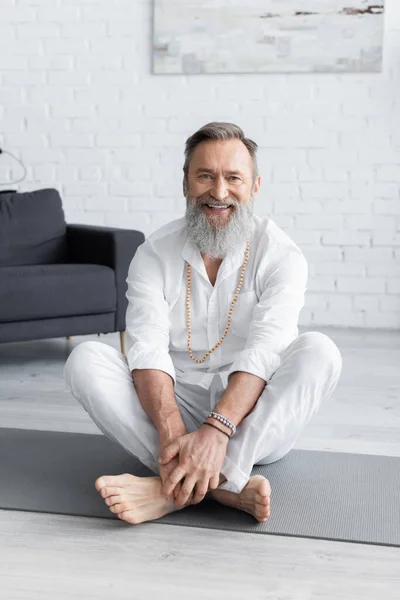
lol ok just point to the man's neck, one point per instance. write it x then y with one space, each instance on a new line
212 265
211 262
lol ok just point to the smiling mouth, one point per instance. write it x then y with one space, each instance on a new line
217 206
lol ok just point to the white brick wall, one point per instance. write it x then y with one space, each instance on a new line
79 105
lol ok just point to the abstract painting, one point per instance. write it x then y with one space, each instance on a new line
267 36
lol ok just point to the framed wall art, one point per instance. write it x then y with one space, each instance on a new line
267 36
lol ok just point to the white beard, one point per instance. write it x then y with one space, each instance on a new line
216 241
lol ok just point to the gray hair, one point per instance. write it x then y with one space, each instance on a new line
219 131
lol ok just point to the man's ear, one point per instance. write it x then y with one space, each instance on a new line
257 184
184 186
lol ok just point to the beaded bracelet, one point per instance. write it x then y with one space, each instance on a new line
223 420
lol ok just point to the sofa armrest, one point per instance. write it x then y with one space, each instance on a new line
108 246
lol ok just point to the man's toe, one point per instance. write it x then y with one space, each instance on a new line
99 483
264 500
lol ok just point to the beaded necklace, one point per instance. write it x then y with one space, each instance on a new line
201 360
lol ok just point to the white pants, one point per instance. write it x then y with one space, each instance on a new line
99 378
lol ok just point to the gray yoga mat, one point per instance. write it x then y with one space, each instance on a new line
324 495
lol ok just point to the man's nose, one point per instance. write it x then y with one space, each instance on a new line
220 189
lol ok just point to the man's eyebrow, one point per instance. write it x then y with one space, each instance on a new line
205 170
234 173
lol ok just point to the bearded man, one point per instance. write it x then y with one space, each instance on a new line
217 378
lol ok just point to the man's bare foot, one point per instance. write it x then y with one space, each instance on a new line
255 498
135 499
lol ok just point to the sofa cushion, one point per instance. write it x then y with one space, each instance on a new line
51 291
32 228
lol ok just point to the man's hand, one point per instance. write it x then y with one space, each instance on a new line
200 455
167 468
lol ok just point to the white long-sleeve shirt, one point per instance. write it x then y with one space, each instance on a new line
265 316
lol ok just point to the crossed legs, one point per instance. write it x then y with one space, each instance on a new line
99 378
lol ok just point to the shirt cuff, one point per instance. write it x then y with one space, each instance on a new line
148 357
257 362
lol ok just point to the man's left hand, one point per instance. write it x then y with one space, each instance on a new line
201 455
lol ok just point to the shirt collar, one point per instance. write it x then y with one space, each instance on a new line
191 254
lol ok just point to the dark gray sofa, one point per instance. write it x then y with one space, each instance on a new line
58 279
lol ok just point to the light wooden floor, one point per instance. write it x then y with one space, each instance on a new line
59 557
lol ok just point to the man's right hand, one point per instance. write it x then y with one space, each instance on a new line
166 470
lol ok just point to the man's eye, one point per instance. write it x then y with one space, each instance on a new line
204 175
235 177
